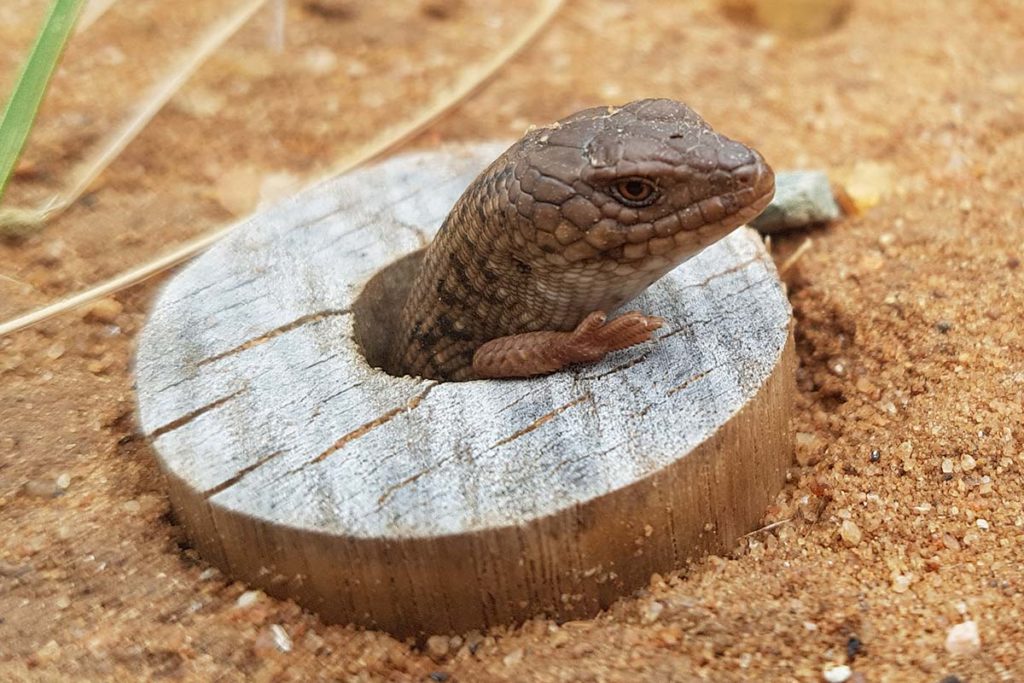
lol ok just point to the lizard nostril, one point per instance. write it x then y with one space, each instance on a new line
757 176
746 176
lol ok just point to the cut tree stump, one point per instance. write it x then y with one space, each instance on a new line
423 507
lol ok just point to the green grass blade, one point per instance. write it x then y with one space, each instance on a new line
17 119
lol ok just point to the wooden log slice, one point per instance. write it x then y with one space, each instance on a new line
423 507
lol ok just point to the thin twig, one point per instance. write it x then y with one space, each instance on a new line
387 140
768 527
795 256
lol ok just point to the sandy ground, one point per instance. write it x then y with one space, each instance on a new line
905 513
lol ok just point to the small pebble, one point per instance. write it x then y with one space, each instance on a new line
868 182
98 367
650 612
560 638
901 583
967 463
104 310
62 602
282 640
850 533
513 658
947 465
982 524
48 652
41 488
836 673
64 481
876 455
853 647
237 190
320 60
313 642
905 450
209 573
802 199
963 639
438 646
248 598
670 635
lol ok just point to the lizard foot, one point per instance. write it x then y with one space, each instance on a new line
538 353
595 336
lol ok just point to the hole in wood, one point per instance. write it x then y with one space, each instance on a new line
376 311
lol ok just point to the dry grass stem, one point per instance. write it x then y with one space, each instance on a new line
388 139
795 256
768 527
113 144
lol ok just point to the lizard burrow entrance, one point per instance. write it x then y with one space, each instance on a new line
377 309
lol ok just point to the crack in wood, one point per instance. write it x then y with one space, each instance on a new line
690 324
322 360
276 332
239 285
585 456
239 475
188 417
623 366
390 491
690 380
374 218
239 304
642 412
181 381
722 273
529 394
190 294
363 429
543 419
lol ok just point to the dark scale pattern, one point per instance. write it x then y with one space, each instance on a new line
547 234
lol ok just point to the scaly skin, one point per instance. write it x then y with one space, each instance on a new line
571 221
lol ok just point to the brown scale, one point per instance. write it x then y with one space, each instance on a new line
573 220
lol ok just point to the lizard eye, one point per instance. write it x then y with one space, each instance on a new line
635 191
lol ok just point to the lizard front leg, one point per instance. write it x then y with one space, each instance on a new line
540 353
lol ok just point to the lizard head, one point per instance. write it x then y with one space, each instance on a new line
631 191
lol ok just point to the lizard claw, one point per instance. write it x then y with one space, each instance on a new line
595 337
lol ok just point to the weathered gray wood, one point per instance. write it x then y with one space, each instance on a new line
421 507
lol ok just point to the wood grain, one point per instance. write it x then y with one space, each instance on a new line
422 507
